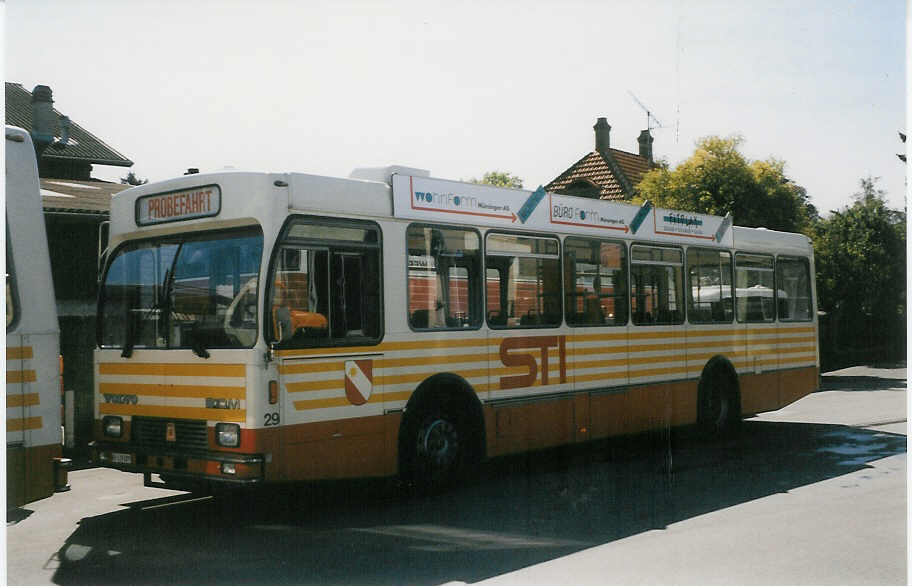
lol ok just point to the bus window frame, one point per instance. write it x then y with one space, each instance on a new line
683 265
625 267
188 235
560 275
479 298
688 288
12 288
283 240
735 286
810 289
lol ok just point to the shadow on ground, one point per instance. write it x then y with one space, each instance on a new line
861 383
519 511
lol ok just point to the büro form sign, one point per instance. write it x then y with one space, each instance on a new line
175 206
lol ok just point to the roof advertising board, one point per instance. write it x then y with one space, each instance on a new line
428 199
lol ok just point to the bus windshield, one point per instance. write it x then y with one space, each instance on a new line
188 291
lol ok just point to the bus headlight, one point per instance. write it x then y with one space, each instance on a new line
228 434
112 426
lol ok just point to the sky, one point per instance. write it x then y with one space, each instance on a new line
462 88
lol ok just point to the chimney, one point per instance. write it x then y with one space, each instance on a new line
602 135
44 121
645 139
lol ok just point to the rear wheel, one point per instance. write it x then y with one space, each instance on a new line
719 411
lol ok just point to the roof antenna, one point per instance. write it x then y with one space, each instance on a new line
651 121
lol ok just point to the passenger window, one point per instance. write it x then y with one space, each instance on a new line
523 281
709 294
657 285
12 300
754 295
326 284
595 282
793 294
444 278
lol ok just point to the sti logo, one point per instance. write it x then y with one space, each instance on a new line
527 359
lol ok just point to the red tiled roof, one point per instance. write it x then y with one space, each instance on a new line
595 168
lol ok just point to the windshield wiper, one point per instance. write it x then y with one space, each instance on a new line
196 341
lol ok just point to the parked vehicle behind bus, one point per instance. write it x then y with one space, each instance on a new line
33 391
259 327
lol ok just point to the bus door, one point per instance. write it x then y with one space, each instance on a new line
596 306
657 342
325 323
755 310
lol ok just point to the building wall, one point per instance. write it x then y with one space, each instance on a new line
73 244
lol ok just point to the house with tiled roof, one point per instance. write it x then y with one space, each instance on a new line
606 173
75 209
67 153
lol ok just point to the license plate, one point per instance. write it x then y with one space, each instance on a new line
122 458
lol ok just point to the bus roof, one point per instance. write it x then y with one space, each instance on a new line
237 197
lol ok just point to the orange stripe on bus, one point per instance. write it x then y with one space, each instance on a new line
312 367
658 371
23 400
234 415
19 424
174 391
19 353
306 405
656 347
315 385
20 376
437 343
586 378
431 359
172 369
594 350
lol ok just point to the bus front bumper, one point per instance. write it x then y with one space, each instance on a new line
180 467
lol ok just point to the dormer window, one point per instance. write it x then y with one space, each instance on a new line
582 188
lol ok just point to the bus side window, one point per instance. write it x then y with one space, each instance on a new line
326 284
709 291
12 298
793 290
444 277
657 285
524 287
754 295
595 282
300 304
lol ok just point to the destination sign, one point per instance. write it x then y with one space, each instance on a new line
175 206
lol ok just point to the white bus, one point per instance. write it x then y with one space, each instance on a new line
258 327
33 391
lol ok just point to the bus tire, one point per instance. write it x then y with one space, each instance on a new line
439 439
719 399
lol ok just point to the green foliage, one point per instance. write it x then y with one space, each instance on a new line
860 255
133 179
498 179
717 179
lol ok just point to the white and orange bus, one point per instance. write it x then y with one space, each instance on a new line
259 327
33 390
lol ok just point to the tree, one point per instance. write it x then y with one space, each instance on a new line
717 179
498 179
860 254
133 179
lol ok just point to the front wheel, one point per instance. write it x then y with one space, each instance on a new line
434 449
